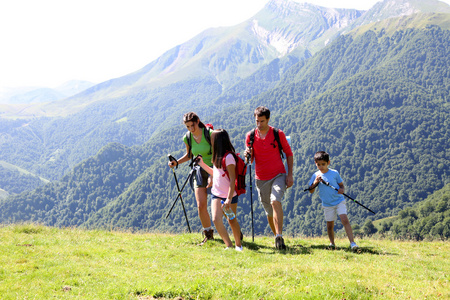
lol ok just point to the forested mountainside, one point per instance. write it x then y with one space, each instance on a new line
425 220
219 66
376 101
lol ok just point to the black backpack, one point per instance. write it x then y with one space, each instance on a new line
277 139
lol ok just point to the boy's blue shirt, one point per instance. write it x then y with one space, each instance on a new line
329 196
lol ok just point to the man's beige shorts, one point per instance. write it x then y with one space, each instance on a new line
270 191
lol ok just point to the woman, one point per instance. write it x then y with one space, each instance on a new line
223 188
198 144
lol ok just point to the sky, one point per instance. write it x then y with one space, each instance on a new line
49 42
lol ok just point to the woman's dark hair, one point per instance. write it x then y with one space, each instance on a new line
192 117
262 111
221 144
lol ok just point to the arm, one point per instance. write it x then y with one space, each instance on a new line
231 169
341 188
290 176
313 186
204 166
182 159
289 158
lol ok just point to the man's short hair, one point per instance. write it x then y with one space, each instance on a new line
321 155
262 111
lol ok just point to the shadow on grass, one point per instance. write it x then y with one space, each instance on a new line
297 249
293 250
361 250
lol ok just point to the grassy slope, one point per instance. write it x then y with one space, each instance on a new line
41 262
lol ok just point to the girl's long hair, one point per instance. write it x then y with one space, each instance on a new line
221 144
192 117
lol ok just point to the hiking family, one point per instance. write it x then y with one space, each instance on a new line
218 173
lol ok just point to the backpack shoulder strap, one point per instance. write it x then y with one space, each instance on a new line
224 167
207 137
189 142
252 137
277 139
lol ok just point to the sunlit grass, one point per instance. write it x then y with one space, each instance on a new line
38 262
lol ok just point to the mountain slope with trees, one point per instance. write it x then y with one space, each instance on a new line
131 109
376 101
426 219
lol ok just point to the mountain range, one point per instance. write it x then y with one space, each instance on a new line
371 88
27 95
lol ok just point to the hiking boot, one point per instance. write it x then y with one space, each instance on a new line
208 234
279 243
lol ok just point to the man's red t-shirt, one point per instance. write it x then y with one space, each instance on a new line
268 162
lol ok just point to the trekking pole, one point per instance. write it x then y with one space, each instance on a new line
251 193
171 158
185 182
328 184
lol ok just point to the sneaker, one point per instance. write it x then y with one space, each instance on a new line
227 248
279 243
208 234
239 248
353 246
332 246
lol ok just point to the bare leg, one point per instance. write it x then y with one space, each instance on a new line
202 204
217 215
234 224
347 226
271 224
277 217
330 231
234 209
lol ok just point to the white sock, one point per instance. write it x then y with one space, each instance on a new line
279 235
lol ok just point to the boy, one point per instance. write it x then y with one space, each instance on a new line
332 202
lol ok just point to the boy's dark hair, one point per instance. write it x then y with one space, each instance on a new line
321 155
262 111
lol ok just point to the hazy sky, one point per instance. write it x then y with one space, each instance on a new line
48 42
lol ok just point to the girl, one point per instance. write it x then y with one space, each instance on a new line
223 188
198 145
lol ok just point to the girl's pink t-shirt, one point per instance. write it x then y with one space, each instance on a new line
221 182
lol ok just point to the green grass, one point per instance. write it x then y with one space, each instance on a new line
38 262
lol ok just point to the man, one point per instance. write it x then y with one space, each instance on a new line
263 147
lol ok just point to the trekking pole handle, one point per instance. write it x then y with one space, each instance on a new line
171 158
327 183
248 157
